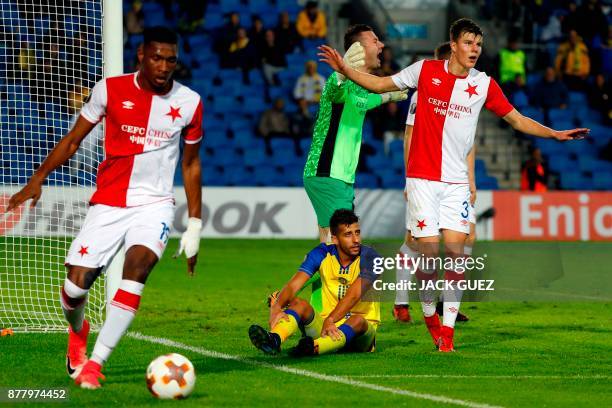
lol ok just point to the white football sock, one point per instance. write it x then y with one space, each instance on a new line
73 300
428 296
404 274
452 299
121 312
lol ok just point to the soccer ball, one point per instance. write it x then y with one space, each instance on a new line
171 376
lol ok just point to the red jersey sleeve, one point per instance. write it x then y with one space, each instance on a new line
193 131
496 100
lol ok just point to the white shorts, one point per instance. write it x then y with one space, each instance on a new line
435 205
106 228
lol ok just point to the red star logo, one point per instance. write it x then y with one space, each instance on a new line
471 90
83 251
421 224
174 113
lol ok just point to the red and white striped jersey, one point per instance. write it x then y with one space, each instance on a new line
446 117
142 136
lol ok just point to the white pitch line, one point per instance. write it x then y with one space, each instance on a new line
493 377
306 373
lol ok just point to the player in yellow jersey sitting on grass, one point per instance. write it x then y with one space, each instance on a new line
346 321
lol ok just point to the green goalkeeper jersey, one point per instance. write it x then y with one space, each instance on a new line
336 141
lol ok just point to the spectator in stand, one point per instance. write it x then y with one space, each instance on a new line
570 20
257 34
511 62
134 19
242 54
223 38
287 37
274 122
534 174
191 14
550 93
26 58
599 97
551 31
309 85
591 21
76 97
311 22
273 59
573 62
301 121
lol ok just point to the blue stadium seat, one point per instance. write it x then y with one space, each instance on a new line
396 146
225 156
255 157
577 99
284 156
487 183
267 175
602 180
394 180
294 174
480 166
376 161
571 180
533 113
215 138
520 99
281 144
366 180
560 115
240 176
246 140
305 145
560 162
212 176
397 160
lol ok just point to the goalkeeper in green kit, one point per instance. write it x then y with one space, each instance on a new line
329 173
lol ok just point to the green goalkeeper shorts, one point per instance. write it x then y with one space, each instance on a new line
328 195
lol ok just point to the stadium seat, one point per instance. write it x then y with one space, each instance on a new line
212 176
558 163
487 183
305 145
602 180
577 99
284 156
520 99
480 166
225 156
255 157
571 180
266 175
239 176
366 180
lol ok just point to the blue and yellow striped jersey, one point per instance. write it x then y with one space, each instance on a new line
336 278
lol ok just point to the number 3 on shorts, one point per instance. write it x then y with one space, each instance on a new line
466 208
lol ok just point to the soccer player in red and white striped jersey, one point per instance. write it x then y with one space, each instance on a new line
147 114
451 95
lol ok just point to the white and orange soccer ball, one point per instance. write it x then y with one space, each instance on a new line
171 376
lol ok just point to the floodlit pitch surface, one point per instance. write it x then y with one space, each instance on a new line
510 353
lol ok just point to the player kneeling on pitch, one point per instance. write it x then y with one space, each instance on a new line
347 321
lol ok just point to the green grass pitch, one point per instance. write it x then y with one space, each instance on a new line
511 354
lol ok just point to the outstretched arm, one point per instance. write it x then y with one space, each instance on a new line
62 151
531 127
371 82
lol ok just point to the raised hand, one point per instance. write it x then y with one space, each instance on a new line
332 58
573 134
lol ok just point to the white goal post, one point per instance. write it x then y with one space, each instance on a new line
51 54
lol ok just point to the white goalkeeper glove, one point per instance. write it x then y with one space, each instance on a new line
354 58
190 240
395 96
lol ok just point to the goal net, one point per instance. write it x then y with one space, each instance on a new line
50 57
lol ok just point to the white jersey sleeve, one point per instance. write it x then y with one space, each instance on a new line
412 109
409 76
95 107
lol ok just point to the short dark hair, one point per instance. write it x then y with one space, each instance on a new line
352 33
441 50
160 34
343 216
464 25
